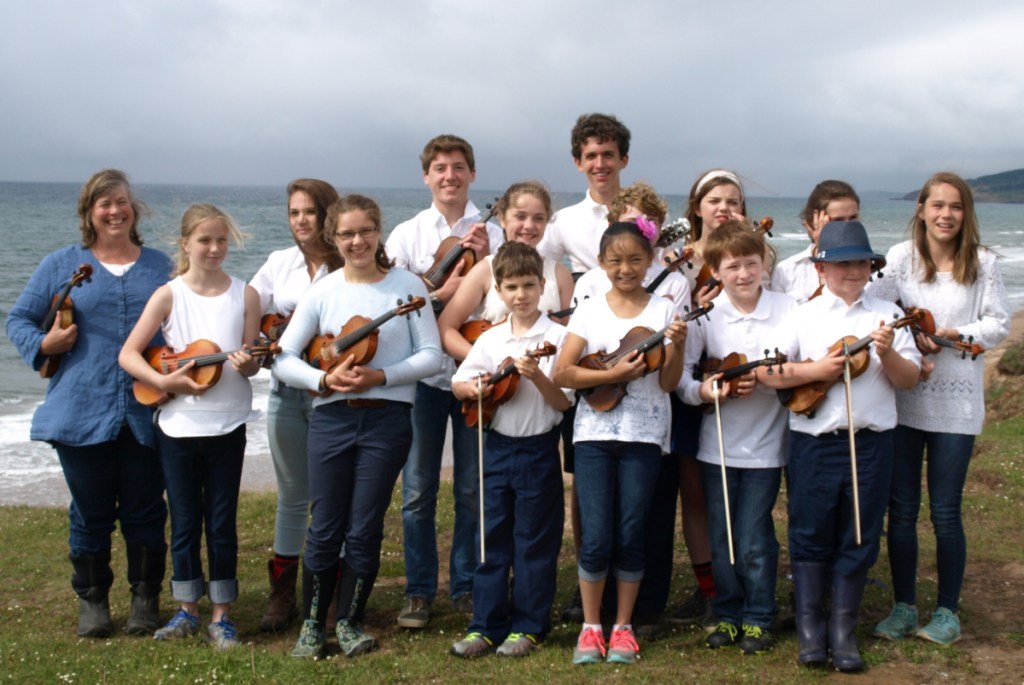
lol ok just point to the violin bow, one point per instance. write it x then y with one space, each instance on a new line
480 457
853 442
716 390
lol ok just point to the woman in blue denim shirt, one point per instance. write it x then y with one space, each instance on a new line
103 437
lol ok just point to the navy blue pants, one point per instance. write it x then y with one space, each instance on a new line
524 510
355 455
821 524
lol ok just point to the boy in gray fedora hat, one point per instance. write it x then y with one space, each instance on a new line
822 536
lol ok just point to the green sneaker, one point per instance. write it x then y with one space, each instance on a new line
310 644
352 640
473 645
518 644
901 622
756 640
725 634
944 628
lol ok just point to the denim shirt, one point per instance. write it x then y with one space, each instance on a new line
90 397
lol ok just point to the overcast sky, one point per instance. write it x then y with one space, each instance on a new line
881 94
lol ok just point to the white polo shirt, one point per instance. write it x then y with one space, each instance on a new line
576 230
813 327
413 243
753 427
527 413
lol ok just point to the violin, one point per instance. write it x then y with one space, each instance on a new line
684 257
61 309
472 330
925 325
673 231
209 362
273 325
735 364
503 383
357 337
450 253
805 399
650 344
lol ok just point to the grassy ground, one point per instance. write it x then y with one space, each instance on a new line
38 612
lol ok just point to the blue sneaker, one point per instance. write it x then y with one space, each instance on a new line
223 634
944 628
181 625
901 622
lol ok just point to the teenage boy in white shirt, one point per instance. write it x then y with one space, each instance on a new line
449 169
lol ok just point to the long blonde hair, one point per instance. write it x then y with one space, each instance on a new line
965 259
193 216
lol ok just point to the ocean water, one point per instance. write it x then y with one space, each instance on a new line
37 218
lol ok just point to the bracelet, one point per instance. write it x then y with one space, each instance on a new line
436 302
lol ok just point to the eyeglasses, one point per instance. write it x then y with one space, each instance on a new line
349 236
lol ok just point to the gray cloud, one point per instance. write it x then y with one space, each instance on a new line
880 93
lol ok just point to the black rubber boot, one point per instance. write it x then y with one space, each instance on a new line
353 593
146 568
847 592
809 584
317 588
91 581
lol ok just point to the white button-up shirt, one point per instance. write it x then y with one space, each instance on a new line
283 279
813 327
576 230
796 275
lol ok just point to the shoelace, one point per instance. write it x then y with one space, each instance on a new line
183 617
592 639
726 627
228 627
516 637
473 636
752 631
624 636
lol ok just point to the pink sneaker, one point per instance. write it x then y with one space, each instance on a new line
622 648
589 647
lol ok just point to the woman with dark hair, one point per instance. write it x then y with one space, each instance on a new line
280 282
103 437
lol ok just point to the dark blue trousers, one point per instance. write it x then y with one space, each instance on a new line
524 510
821 523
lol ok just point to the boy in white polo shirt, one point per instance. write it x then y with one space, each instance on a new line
523 491
754 437
822 538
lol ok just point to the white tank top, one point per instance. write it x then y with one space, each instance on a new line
494 310
220 319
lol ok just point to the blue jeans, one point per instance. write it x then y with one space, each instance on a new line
949 456
113 481
746 590
203 476
821 521
355 456
288 415
614 482
524 505
421 479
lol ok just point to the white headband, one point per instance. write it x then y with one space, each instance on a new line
719 173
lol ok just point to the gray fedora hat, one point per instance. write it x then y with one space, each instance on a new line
846 241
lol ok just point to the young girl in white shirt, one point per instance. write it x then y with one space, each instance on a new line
618 451
201 436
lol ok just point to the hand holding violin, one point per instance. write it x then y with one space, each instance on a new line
180 382
350 377
739 387
244 363
58 340
883 337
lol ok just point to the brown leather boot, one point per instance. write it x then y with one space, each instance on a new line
281 609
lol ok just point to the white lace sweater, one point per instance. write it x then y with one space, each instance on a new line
952 400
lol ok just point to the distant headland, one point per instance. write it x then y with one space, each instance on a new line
1006 187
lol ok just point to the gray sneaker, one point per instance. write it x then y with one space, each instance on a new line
473 645
181 625
223 634
518 644
415 613
352 640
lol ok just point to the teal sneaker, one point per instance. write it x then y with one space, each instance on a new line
310 644
944 628
352 640
181 625
901 622
223 634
